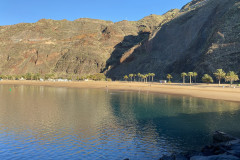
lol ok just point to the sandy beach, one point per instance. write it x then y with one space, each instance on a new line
211 91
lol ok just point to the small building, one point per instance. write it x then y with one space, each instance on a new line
163 81
51 80
62 80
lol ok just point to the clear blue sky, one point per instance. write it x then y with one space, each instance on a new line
18 11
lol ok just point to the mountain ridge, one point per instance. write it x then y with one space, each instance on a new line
183 44
200 37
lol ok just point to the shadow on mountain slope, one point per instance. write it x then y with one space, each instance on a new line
183 45
124 49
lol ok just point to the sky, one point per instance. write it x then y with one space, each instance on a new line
30 11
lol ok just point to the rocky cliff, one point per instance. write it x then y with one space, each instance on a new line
203 36
83 46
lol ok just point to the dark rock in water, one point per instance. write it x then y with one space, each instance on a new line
227 148
215 157
234 148
214 149
219 137
174 157
167 157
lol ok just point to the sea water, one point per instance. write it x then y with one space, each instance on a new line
39 122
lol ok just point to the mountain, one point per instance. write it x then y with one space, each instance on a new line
83 46
203 36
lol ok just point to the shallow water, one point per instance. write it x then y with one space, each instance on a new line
63 123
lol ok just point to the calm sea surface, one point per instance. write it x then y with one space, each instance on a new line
63 123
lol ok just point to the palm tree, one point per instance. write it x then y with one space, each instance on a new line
142 78
149 76
183 75
28 76
36 76
190 74
152 75
134 75
231 76
139 76
219 74
9 77
69 77
125 77
195 75
169 76
146 76
17 77
130 76
49 76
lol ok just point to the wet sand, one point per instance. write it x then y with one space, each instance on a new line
211 91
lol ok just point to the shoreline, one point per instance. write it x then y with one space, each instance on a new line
211 91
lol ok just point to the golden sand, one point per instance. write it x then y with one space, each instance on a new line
212 91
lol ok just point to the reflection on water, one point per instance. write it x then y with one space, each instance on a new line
62 123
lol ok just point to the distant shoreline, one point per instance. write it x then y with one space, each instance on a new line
211 91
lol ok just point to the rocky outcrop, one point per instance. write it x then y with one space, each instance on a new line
219 137
228 149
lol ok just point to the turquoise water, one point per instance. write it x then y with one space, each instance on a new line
62 123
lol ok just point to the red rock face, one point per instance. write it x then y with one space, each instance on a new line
82 46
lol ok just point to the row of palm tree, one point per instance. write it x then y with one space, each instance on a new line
141 77
231 76
190 75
